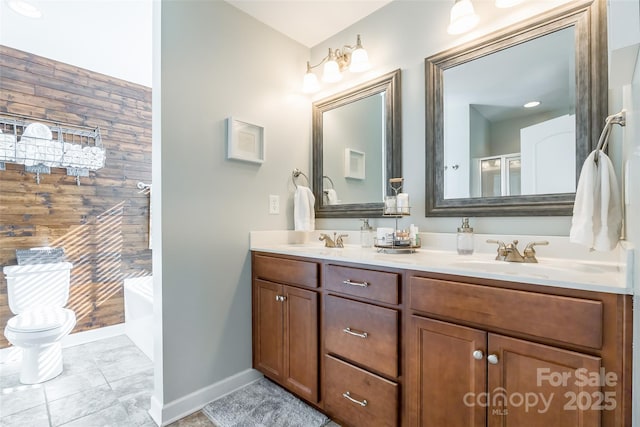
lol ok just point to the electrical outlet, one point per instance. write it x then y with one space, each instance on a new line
274 204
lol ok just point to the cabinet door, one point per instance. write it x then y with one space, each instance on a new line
268 328
444 376
535 385
301 342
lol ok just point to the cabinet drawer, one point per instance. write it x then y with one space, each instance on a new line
344 381
363 333
284 270
370 284
572 320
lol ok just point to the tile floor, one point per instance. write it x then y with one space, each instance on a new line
104 383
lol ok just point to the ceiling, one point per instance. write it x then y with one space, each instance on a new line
309 22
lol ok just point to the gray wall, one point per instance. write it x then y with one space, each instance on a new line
219 62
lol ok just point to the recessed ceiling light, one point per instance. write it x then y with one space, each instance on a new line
531 104
25 8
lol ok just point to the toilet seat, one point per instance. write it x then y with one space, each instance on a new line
40 320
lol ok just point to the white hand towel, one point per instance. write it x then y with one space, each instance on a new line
332 196
597 211
304 216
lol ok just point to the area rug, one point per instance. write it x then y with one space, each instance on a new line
262 404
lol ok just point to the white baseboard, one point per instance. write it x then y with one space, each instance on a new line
12 353
93 335
180 408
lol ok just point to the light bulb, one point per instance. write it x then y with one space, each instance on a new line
331 72
359 58
463 17
310 83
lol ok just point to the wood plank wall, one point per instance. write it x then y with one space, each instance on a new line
103 223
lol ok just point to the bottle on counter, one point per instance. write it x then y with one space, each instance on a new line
465 238
366 234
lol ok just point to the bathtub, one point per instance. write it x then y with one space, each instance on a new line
138 312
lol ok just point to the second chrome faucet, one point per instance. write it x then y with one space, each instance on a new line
510 252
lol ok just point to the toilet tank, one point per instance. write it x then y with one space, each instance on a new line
37 285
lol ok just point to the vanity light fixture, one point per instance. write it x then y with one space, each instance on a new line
25 8
355 58
531 104
463 17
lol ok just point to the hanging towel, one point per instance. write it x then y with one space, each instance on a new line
332 196
304 218
597 211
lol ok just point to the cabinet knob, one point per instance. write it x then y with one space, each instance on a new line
478 354
280 298
493 359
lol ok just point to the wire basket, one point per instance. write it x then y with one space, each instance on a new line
39 256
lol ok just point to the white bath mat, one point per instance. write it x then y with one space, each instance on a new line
263 404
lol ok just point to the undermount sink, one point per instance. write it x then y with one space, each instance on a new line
546 268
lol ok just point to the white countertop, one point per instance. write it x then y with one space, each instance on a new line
609 272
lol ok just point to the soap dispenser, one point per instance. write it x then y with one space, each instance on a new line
465 238
366 234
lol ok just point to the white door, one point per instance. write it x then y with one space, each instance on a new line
548 152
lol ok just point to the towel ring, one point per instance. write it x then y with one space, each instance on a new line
330 180
295 174
615 119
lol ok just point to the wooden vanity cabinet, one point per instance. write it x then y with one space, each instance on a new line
374 346
478 355
285 323
361 351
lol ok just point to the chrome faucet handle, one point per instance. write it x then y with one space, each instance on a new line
530 253
339 242
502 249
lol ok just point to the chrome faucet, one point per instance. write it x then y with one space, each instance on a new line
336 242
513 254
510 252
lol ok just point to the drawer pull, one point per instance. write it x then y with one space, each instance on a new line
347 395
493 359
361 284
355 334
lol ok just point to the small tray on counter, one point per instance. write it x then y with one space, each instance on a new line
396 249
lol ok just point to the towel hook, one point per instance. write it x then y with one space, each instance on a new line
295 174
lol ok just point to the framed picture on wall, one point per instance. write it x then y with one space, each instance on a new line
353 164
245 141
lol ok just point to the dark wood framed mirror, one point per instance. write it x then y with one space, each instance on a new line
357 147
488 155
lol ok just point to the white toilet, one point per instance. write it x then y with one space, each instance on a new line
37 294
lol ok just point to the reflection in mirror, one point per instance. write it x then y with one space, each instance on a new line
495 146
353 155
356 148
488 154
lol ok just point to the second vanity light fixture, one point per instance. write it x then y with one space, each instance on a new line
355 58
463 17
